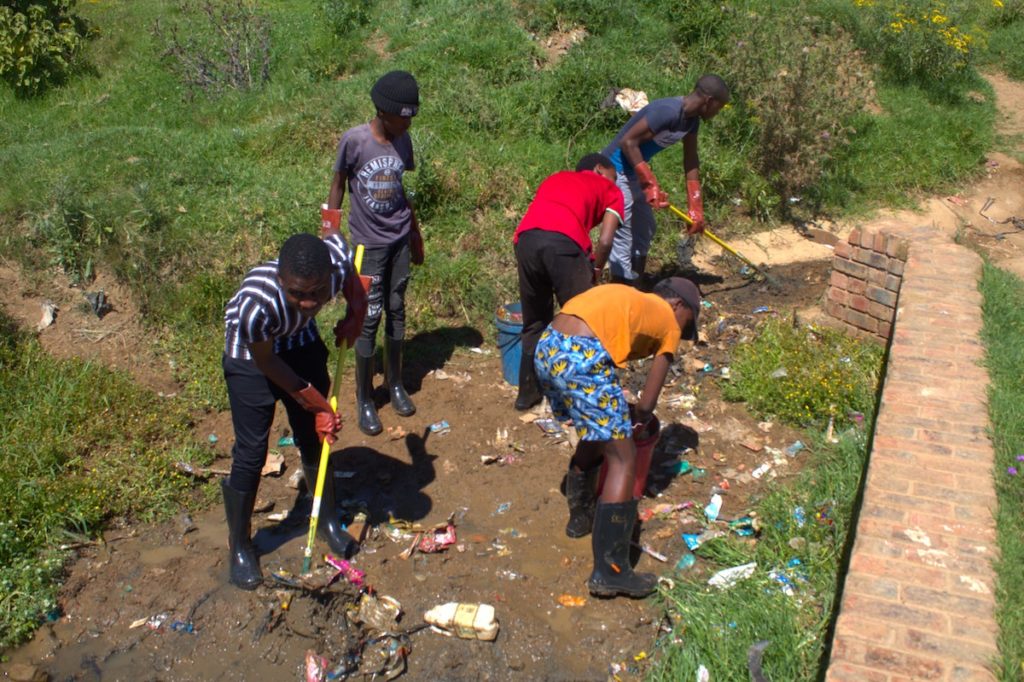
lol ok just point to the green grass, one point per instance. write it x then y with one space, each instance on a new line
82 444
1003 328
715 627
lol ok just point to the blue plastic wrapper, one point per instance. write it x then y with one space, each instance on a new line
686 561
692 540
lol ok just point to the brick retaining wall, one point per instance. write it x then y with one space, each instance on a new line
867 271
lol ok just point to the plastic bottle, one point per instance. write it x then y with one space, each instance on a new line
468 621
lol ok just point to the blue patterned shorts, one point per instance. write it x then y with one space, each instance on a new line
578 378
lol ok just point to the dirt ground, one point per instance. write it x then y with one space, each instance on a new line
153 603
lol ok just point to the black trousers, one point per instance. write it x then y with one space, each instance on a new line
253 396
549 265
388 267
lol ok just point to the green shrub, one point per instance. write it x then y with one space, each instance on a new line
804 375
796 88
40 41
218 45
344 16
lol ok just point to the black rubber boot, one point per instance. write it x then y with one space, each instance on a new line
245 563
369 422
529 390
328 526
613 574
579 493
400 401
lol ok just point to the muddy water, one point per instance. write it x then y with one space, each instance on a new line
515 557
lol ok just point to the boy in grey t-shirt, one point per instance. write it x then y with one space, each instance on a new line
371 160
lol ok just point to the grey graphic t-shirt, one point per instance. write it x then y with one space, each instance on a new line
378 212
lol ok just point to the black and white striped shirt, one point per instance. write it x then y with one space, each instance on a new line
259 312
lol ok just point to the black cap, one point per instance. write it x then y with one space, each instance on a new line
687 291
396 92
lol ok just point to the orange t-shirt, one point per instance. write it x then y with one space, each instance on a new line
629 323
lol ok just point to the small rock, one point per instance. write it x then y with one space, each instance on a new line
24 672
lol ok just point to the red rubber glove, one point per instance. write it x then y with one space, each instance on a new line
328 423
330 220
348 329
696 204
652 190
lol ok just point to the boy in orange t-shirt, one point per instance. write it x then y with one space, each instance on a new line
575 360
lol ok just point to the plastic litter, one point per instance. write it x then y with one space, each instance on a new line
703 675
761 309
345 570
468 621
745 526
212 438
183 626
646 549
440 428
438 540
794 448
699 473
549 426
754 655
379 613
502 508
779 373
728 577
713 508
98 302
571 600
686 561
679 468
785 584
506 574
315 667
800 516
285 441
761 470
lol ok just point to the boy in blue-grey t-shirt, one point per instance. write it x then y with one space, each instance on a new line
654 128
371 160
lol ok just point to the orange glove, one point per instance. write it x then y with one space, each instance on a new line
652 190
328 423
348 329
696 204
330 220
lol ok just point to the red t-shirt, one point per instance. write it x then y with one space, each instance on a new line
572 203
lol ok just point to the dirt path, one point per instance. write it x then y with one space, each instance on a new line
511 552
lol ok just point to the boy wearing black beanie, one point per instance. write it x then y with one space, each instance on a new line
371 160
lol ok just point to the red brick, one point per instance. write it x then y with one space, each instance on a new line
978 629
923 597
867 239
880 295
861 321
885 329
893 283
855 286
897 247
880 312
836 310
862 255
970 673
871 586
858 303
895 266
850 268
944 646
838 280
918 667
843 671
894 612
854 237
865 627
876 277
879 243
843 249
838 295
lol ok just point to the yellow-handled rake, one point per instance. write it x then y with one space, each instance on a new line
325 449
716 239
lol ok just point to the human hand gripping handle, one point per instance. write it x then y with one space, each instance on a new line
652 190
328 423
696 205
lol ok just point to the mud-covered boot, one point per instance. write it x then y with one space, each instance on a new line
400 401
529 389
328 526
369 422
244 562
579 493
613 574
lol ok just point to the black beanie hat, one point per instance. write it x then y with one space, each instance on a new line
396 92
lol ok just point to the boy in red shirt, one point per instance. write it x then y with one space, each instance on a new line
554 255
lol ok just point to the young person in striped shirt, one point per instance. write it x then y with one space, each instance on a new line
273 351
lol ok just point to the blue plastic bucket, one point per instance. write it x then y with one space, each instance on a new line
509 321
